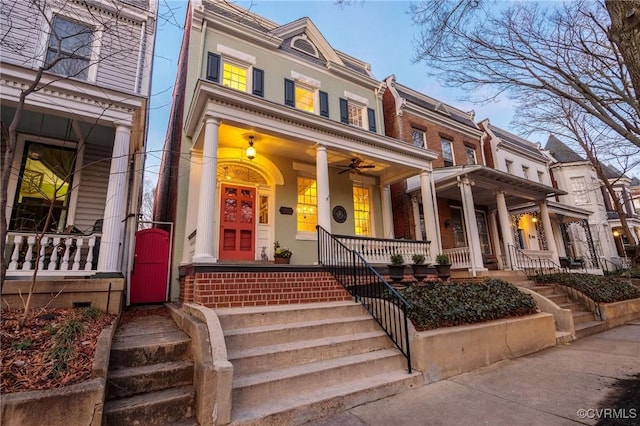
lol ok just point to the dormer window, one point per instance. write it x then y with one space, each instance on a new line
302 44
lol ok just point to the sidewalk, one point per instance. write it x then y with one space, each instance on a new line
547 388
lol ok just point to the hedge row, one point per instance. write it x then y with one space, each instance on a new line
448 305
601 289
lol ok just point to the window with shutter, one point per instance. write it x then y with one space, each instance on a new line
213 67
324 104
258 82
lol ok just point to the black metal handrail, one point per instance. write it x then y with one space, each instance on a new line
369 288
524 262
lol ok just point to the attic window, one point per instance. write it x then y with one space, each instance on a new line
303 44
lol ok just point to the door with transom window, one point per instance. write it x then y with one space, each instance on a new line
237 223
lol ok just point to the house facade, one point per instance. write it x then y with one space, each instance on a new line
280 133
81 136
586 190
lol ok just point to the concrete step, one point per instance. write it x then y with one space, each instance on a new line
321 401
588 328
145 349
276 385
564 337
544 290
252 337
581 317
148 378
154 408
574 306
273 357
284 314
558 298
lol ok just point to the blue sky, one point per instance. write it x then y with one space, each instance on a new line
378 32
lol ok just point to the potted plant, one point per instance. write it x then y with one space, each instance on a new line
443 266
281 254
420 269
396 267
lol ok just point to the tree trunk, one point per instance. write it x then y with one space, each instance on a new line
625 33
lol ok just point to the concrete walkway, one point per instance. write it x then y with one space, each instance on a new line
551 387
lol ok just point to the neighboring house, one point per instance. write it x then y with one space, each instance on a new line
585 189
277 132
81 137
635 194
490 188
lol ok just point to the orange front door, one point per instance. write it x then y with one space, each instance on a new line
237 223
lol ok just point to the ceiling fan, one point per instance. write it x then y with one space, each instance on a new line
355 165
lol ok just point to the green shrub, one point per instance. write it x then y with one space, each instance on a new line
598 288
466 303
397 259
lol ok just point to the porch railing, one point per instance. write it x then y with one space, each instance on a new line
369 288
59 255
459 257
379 250
532 263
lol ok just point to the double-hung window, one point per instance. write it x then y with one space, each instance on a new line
471 155
69 48
418 137
303 93
306 208
361 211
236 70
579 189
447 152
354 110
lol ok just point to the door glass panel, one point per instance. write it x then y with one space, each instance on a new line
481 220
230 210
229 191
263 216
459 237
246 212
246 193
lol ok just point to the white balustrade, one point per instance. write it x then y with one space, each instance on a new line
460 257
379 251
58 254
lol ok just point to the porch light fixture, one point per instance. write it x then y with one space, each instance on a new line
251 151
534 219
616 233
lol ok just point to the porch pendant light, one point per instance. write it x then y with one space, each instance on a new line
251 151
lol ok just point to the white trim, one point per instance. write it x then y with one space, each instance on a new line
226 51
306 236
307 169
315 84
356 98
362 180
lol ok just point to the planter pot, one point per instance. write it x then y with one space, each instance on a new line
421 271
443 271
282 260
396 272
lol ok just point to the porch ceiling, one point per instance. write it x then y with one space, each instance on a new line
486 182
283 131
555 208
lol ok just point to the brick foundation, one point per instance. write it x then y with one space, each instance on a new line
238 289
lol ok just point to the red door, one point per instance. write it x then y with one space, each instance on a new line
237 223
150 267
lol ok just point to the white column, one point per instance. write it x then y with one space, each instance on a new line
206 202
495 237
505 226
387 212
415 208
473 236
430 211
548 231
322 187
112 225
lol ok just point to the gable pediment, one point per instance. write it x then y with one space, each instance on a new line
305 37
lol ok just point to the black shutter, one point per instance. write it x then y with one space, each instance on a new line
372 119
344 111
289 93
213 67
258 82
324 104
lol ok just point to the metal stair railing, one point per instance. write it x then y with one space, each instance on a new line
385 304
527 264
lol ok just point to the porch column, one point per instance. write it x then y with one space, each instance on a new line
387 212
430 211
493 228
415 208
112 225
505 227
203 252
473 236
322 188
548 231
